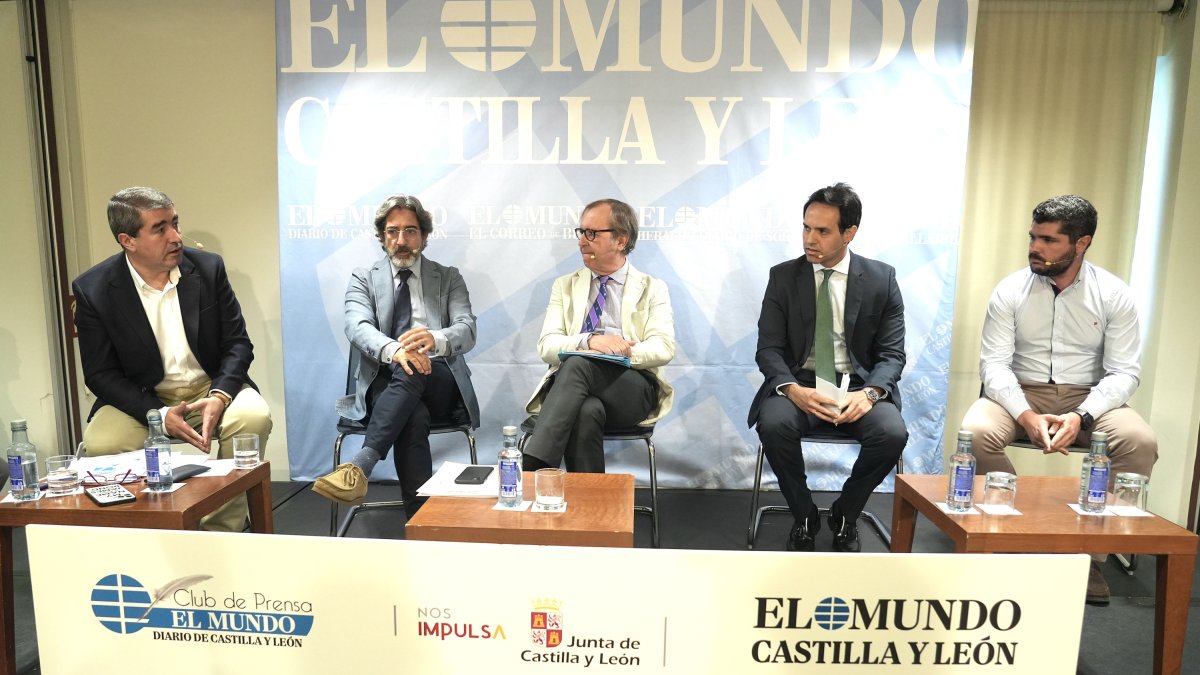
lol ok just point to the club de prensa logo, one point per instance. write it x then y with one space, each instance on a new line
546 623
179 611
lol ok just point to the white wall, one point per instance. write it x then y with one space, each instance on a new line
26 381
180 96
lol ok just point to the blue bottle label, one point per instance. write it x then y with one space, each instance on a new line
15 474
1097 485
508 478
152 464
964 481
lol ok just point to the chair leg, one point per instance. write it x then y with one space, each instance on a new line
333 508
471 445
653 495
1129 564
752 530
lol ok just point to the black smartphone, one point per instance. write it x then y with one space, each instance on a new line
474 475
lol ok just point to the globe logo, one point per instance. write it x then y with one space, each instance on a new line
832 613
119 602
488 35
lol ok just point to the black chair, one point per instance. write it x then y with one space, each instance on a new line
637 433
832 436
459 422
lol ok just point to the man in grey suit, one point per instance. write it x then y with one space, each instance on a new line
826 315
411 320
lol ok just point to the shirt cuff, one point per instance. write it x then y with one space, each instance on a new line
779 389
441 347
389 352
583 340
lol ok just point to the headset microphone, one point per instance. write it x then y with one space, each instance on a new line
194 242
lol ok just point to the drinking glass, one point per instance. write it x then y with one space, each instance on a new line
548 488
61 477
1000 489
245 451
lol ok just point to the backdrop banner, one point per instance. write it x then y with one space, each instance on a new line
201 602
713 118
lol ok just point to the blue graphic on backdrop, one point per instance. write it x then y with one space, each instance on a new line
714 120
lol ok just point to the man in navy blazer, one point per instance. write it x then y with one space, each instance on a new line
410 318
161 329
866 327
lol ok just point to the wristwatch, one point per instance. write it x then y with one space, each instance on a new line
1085 419
874 394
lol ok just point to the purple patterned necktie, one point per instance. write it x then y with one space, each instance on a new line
592 322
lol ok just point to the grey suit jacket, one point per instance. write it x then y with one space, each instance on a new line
874 324
369 306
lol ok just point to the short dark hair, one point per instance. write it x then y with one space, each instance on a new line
126 206
842 196
424 220
1076 217
621 219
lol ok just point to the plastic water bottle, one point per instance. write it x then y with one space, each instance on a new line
22 464
960 486
158 455
511 490
1093 479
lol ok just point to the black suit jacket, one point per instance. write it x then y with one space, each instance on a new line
121 362
874 323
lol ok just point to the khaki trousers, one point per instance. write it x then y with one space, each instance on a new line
111 431
1132 446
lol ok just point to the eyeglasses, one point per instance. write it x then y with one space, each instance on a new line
396 233
590 234
117 478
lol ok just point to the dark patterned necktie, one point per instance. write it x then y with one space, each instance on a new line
593 317
402 305
823 347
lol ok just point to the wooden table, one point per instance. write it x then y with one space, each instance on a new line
179 510
599 513
1049 525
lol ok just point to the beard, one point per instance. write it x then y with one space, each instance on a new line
1045 269
402 256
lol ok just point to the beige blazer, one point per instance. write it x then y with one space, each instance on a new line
646 318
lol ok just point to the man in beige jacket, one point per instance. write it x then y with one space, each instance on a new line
619 324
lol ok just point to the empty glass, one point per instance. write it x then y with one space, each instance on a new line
549 490
1000 490
1131 491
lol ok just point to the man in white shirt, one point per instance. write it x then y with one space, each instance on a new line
1061 355
160 328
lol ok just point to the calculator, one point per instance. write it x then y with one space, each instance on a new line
107 495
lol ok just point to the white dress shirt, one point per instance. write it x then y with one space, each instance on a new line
419 316
1087 334
180 366
610 318
837 293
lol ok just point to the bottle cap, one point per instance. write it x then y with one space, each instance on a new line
153 416
509 430
964 435
1100 436
19 425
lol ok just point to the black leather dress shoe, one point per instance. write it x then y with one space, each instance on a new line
804 532
845 532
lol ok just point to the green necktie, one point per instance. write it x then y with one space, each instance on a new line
823 348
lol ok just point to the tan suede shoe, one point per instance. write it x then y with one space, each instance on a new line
345 484
1097 587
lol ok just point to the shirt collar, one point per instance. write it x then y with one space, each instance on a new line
140 283
618 276
842 266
